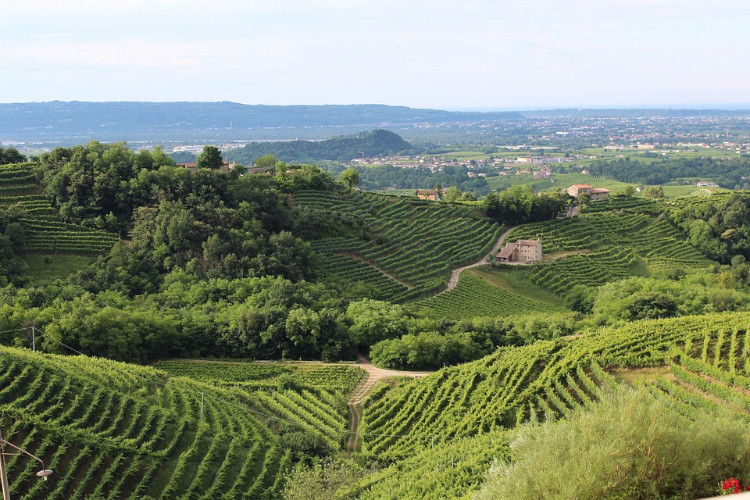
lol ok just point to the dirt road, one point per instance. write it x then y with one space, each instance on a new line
374 374
453 281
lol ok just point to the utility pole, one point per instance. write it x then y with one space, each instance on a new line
33 338
4 472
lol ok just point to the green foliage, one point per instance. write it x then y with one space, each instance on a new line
266 162
414 241
452 194
116 429
10 156
266 375
94 180
475 297
350 177
452 469
728 172
429 350
719 225
210 157
629 446
324 479
374 143
605 246
644 298
655 192
543 380
518 204
372 321
376 177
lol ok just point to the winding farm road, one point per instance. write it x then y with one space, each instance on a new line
453 281
374 374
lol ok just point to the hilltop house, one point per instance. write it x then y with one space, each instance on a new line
430 194
596 193
527 251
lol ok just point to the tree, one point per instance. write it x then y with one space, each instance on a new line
11 155
629 190
210 157
584 199
452 194
267 163
653 192
350 177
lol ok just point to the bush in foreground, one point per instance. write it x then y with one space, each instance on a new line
629 446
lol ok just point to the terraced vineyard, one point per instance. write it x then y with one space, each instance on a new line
549 379
113 430
416 242
17 179
629 204
335 378
475 297
617 244
44 234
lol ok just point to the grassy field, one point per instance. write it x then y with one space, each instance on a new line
557 181
50 267
517 280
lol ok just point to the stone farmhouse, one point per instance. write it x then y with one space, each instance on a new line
527 251
430 194
596 193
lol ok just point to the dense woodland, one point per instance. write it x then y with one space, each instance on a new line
730 173
367 144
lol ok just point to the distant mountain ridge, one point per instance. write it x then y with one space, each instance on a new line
370 144
147 120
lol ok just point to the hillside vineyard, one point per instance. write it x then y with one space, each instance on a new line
271 332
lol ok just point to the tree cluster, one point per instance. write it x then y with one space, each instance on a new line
371 144
11 155
727 172
719 226
518 205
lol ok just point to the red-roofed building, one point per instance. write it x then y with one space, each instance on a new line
596 193
521 251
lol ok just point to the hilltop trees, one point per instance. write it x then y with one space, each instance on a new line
350 177
210 157
10 155
518 204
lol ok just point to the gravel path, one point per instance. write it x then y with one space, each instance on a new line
374 374
453 281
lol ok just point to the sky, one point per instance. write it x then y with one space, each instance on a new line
444 54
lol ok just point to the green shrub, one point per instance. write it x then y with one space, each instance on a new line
629 446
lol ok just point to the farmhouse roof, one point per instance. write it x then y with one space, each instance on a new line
507 252
527 243
581 186
599 190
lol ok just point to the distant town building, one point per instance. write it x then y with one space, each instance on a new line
543 159
707 184
527 251
596 193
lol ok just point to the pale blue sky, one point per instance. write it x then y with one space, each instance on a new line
437 54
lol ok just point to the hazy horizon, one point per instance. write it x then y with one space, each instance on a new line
442 54
479 109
